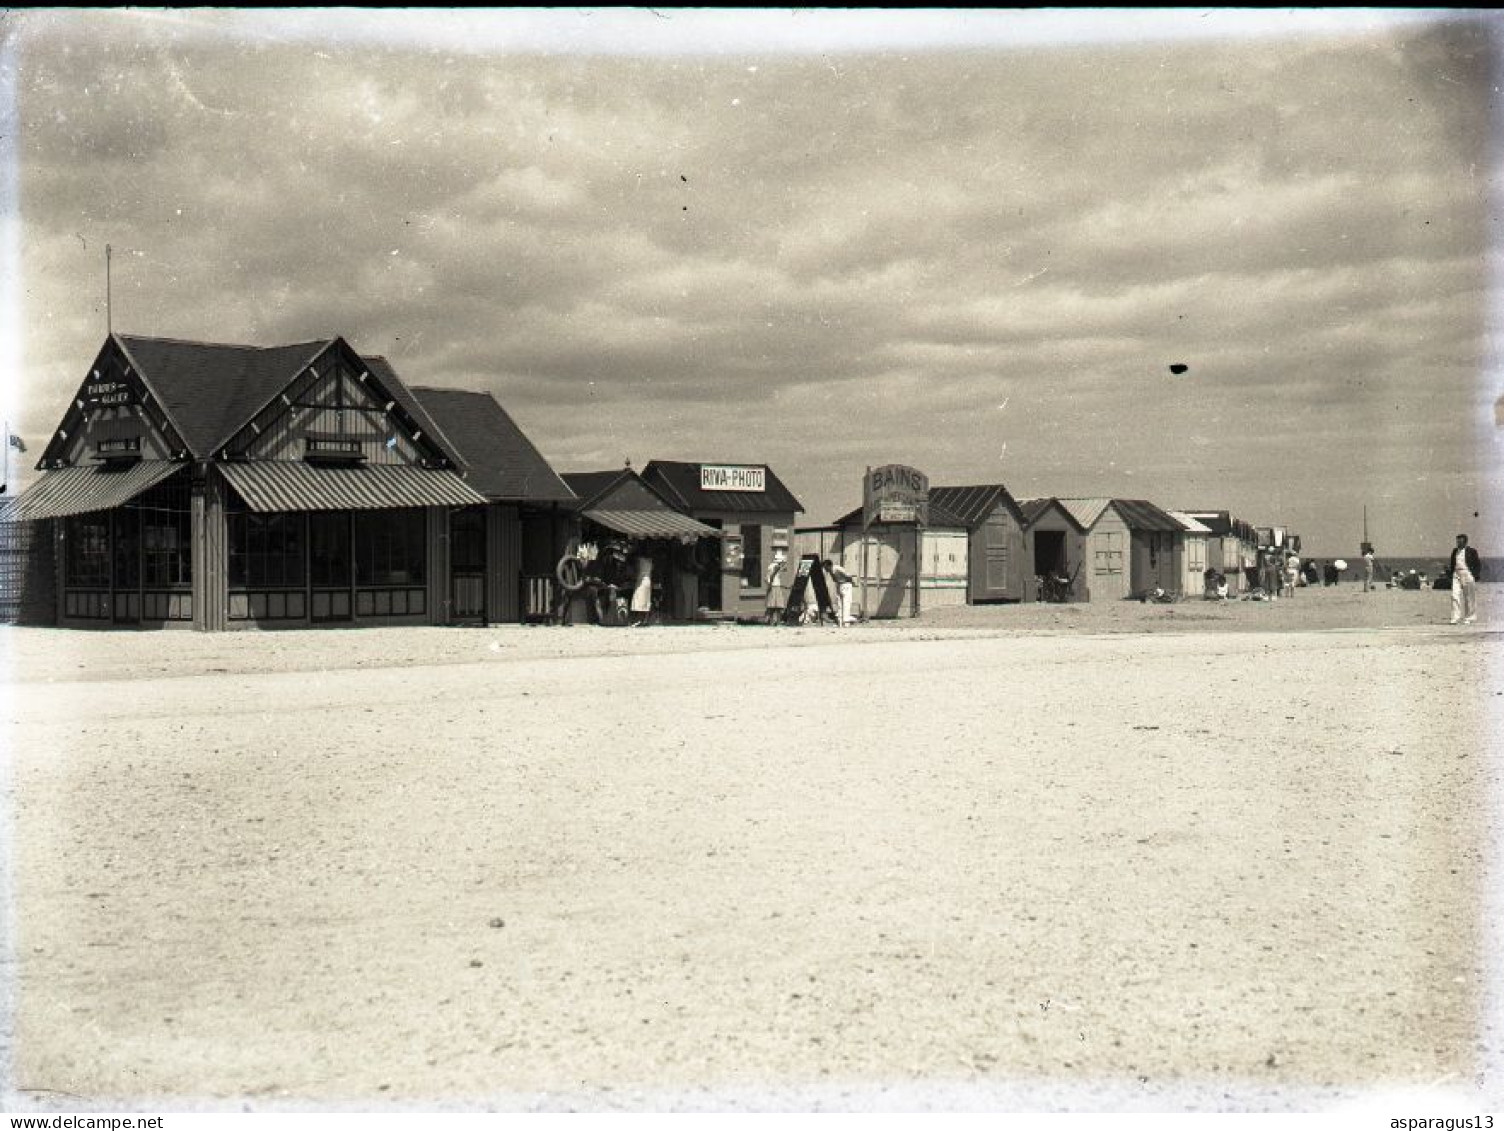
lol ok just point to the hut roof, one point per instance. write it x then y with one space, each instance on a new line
679 481
502 461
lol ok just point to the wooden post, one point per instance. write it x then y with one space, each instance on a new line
209 552
918 567
867 486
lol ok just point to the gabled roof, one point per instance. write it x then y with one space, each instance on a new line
1033 509
1140 514
1085 511
588 485
627 503
1190 524
680 484
971 505
962 508
501 461
210 390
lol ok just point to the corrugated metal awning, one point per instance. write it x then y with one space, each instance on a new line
651 523
289 486
78 490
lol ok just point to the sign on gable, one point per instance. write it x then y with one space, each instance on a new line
728 477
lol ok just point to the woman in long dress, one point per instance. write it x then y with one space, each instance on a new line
777 593
642 590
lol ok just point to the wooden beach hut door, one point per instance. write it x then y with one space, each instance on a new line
467 564
990 564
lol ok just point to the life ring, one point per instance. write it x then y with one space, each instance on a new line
571 573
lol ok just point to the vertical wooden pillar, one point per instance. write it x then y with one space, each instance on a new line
503 565
440 601
209 550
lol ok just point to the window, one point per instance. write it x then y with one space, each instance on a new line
88 549
1107 553
266 550
125 547
390 547
166 526
752 577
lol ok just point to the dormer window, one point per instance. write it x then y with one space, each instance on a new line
334 449
118 449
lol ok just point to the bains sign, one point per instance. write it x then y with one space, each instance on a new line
725 477
895 493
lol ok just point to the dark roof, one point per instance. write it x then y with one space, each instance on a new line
952 507
1033 509
622 489
586 485
501 461
211 390
971 505
1140 514
680 483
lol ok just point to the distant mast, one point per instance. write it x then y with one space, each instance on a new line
109 328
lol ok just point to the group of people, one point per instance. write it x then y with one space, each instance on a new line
840 584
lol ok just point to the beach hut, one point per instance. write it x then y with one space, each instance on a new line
1195 541
621 509
1108 545
753 511
1134 546
228 486
1055 546
1224 546
972 551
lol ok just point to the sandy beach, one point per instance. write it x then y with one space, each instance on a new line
1063 855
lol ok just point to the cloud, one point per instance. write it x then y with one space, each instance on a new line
817 262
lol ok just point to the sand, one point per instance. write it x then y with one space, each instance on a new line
1083 857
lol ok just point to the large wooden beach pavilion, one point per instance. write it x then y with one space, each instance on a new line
228 486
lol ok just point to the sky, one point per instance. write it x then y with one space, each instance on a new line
973 243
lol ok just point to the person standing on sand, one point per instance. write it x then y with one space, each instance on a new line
1368 569
642 590
1467 570
844 589
777 594
1292 575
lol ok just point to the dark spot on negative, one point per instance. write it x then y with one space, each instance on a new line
1178 368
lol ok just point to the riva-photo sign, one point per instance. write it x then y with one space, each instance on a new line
729 477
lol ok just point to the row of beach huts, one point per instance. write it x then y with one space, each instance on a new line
215 486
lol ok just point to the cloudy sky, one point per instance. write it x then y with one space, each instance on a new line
820 240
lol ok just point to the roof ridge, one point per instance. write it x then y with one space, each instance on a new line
222 345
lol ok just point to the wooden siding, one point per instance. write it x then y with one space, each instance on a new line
890 565
210 553
308 405
1109 542
1194 555
1077 550
503 564
84 428
1159 569
437 565
999 568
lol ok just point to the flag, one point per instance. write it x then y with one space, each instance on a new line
17 443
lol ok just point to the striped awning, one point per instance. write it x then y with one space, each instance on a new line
288 486
662 523
78 490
